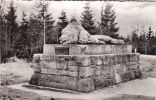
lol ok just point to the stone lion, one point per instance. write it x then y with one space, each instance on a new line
75 33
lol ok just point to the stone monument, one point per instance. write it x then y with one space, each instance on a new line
80 64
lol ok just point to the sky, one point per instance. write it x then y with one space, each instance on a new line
130 15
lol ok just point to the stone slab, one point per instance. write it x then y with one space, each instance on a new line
85 49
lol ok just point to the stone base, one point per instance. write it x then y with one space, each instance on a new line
81 85
84 73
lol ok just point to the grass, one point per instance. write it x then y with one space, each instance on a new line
148 65
131 97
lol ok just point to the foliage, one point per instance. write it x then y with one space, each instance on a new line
61 24
108 24
22 43
42 16
11 25
9 29
144 43
87 20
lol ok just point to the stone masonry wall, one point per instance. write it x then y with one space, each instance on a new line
84 73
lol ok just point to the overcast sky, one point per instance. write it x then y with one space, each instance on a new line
129 14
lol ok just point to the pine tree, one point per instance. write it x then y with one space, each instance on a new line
11 28
2 31
2 25
149 37
43 21
108 24
87 20
62 23
23 43
42 16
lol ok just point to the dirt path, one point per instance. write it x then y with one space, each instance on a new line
144 87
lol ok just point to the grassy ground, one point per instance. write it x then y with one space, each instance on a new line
148 65
21 71
131 97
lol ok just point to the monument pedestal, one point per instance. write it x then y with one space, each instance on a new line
84 68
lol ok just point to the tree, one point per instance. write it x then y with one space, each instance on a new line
22 43
149 40
62 23
108 24
47 19
11 28
149 36
87 20
40 23
2 31
2 25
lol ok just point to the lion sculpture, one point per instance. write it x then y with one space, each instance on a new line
74 33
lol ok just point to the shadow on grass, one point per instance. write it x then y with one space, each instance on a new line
130 97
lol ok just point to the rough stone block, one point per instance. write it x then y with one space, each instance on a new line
86 85
72 63
52 64
132 74
72 68
70 84
118 59
125 76
71 74
85 72
52 84
35 79
83 61
53 71
98 62
45 64
132 67
62 64
107 70
97 71
120 68
102 81
138 73
112 60
45 71
53 78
